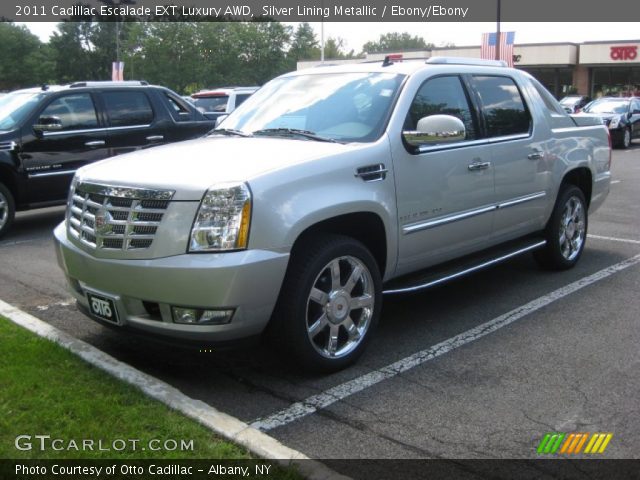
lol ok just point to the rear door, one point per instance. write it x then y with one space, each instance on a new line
50 158
133 122
522 168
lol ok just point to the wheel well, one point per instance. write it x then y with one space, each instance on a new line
581 178
6 178
366 227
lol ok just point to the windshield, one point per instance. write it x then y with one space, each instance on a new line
14 107
346 107
608 106
570 100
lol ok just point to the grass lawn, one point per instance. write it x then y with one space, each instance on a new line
46 390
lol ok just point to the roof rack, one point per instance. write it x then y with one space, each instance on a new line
465 61
109 83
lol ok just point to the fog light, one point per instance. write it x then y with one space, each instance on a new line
197 316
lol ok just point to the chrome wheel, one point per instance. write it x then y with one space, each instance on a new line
4 210
626 139
572 228
340 306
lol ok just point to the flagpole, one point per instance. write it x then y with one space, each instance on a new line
498 32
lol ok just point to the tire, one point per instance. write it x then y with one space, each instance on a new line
566 231
626 138
7 209
322 321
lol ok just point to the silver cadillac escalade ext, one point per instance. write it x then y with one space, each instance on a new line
325 190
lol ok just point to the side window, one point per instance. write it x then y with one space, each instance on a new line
442 96
76 112
548 100
635 106
178 110
504 110
128 108
241 97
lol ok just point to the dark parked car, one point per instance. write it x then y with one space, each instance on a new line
574 103
620 114
47 133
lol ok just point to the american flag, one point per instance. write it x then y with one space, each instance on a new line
488 47
117 71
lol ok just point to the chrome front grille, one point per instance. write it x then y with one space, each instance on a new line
116 218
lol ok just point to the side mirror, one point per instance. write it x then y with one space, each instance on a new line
220 119
635 112
48 124
435 129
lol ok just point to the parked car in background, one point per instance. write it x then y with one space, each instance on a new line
621 115
325 189
574 103
221 101
47 133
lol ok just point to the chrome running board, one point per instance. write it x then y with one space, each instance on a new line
432 279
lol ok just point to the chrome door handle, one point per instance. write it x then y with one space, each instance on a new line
479 166
155 138
94 143
537 155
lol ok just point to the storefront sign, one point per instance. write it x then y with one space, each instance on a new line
624 53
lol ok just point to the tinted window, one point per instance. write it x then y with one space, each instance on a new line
504 110
550 102
240 98
179 111
128 108
76 112
442 96
212 104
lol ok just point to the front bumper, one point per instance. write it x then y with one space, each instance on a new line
247 281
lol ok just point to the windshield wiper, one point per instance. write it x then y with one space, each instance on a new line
294 132
229 131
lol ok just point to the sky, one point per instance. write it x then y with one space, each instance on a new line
355 34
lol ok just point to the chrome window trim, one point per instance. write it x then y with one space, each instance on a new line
89 130
416 227
447 146
125 192
508 138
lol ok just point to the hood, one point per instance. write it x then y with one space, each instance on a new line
193 166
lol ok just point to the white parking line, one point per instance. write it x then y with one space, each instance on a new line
229 427
615 239
613 182
316 402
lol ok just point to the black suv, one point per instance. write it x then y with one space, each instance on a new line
47 133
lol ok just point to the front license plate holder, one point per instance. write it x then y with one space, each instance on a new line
103 307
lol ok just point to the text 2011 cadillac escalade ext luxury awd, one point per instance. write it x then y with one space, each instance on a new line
325 190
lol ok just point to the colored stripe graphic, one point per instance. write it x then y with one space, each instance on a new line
572 443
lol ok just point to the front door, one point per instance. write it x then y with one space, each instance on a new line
444 191
51 157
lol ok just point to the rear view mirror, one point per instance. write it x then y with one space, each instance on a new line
435 129
48 124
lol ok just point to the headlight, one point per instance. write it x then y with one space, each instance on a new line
615 122
222 221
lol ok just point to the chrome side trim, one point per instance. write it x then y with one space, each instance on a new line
518 201
416 227
125 192
466 271
507 138
89 130
51 174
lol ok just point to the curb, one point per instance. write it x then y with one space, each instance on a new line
225 425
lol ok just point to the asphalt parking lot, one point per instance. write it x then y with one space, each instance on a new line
479 368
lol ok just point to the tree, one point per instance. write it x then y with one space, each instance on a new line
25 59
304 45
333 49
396 42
